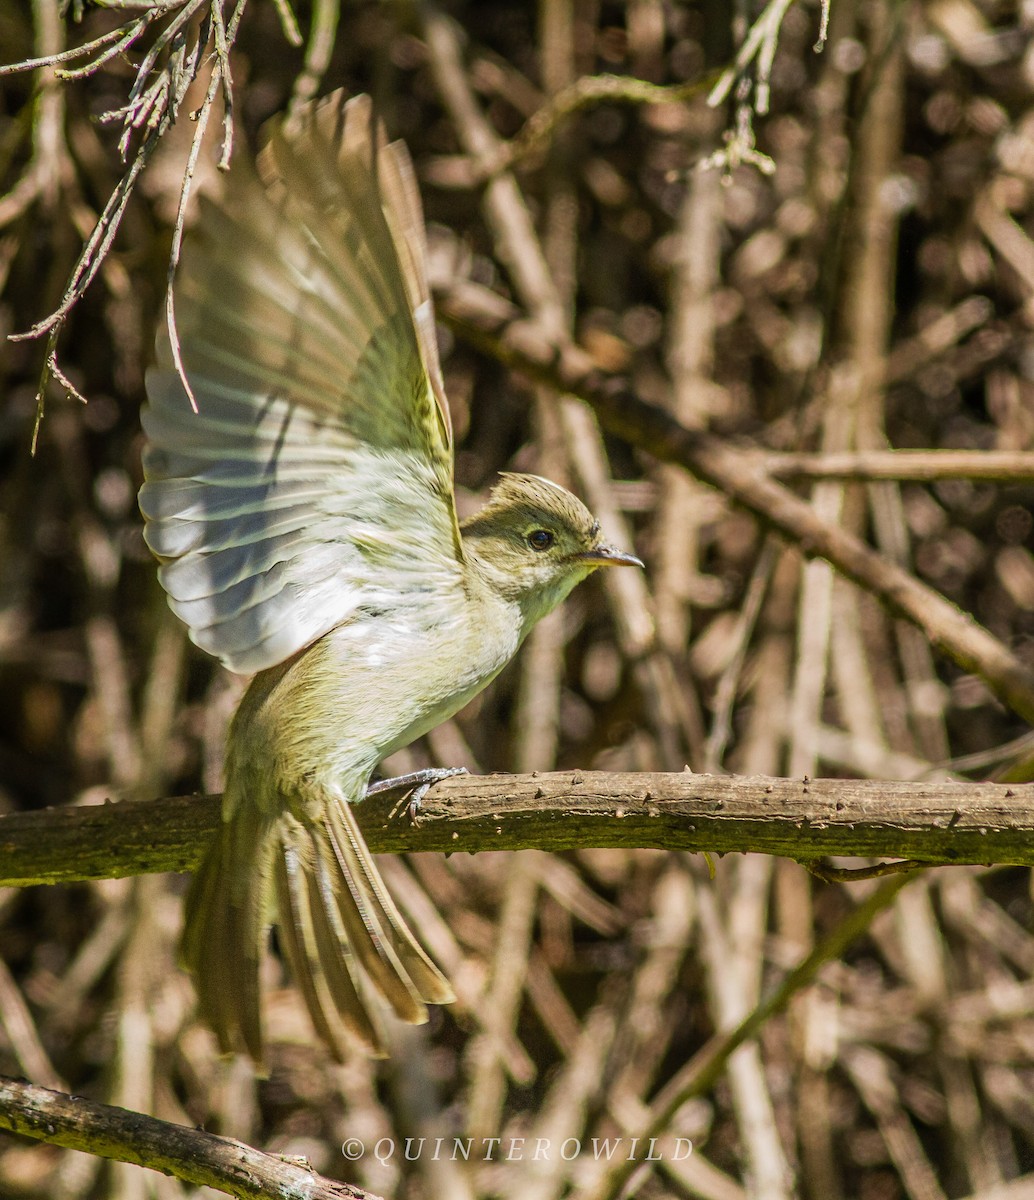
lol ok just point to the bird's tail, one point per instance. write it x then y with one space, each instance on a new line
338 928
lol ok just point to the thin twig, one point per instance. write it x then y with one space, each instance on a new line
830 874
725 693
288 22
97 245
759 43
120 46
587 92
98 43
322 35
153 105
177 233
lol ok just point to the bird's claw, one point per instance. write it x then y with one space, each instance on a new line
421 782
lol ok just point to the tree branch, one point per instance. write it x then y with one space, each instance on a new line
800 819
916 466
189 1154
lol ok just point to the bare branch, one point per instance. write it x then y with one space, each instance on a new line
190 1154
587 92
96 247
158 90
917 466
760 43
804 819
322 35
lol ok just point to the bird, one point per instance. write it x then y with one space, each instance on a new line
298 494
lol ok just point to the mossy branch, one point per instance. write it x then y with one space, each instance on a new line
807 820
190 1154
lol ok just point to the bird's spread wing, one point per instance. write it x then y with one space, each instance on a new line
315 477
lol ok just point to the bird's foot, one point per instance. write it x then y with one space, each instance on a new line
420 781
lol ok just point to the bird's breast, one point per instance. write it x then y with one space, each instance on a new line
433 662
371 686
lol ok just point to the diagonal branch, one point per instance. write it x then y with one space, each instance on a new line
801 819
189 1154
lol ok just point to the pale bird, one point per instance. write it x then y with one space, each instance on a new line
306 526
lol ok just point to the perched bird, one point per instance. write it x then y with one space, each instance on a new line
300 499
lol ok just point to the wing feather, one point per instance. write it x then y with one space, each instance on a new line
315 477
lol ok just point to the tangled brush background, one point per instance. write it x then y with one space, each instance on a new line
872 289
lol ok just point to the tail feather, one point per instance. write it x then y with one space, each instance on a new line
319 967
297 941
343 975
390 955
223 937
339 929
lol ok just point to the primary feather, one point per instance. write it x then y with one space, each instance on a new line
319 460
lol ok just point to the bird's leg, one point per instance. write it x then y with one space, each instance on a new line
420 781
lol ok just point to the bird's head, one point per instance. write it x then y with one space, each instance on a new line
533 541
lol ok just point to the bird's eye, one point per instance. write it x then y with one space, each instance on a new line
540 539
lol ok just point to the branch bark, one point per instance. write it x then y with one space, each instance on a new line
803 819
189 1154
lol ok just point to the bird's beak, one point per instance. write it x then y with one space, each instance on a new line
608 556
